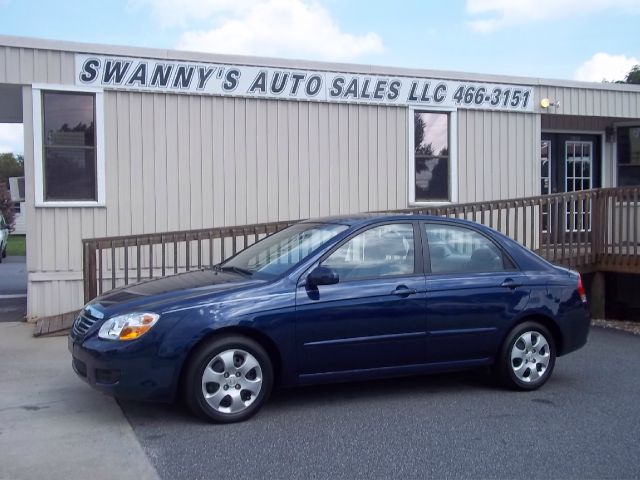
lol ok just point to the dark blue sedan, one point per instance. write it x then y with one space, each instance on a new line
334 299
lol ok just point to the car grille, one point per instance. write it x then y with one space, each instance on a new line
82 325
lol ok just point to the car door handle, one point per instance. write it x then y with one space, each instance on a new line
404 291
511 283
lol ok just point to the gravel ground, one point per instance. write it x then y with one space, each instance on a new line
626 326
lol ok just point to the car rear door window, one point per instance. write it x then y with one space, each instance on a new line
454 249
382 251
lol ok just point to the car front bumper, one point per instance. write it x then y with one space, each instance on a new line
123 370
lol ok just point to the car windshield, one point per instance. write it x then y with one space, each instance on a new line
279 252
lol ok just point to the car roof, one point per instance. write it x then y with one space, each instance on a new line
358 219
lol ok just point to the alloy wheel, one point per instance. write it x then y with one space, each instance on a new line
530 356
232 381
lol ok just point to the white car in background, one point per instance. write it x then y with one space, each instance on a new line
4 237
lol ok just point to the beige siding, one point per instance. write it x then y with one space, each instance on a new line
27 66
217 152
186 162
591 101
498 155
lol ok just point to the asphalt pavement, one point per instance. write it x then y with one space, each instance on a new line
13 289
584 423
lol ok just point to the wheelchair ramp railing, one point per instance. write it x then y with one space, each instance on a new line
588 230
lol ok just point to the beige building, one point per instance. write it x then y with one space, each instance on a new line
125 140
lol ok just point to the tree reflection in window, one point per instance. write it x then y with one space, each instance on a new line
431 153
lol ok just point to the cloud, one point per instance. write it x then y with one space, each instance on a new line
603 66
493 15
11 138
179 13
283 28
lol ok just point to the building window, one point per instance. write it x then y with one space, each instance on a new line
68 147
628 147
431 153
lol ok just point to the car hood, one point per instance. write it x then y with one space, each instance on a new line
168 292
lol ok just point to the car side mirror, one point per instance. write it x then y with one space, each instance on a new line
322 276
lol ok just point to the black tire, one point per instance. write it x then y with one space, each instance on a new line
506 368
203 356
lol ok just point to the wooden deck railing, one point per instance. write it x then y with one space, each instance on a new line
587 230
110 262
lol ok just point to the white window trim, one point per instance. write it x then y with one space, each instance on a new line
453 156
38 159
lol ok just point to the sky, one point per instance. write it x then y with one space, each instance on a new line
591 40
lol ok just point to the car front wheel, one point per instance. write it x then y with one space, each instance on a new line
228 379
527 357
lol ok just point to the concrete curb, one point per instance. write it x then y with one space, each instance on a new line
53 425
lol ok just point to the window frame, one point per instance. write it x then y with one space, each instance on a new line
418 247
616 164
509 265
37 91
453 156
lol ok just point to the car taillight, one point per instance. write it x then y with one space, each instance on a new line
581 291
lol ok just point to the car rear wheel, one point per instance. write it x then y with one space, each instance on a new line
228 379
527 357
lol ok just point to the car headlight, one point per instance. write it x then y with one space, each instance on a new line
128 327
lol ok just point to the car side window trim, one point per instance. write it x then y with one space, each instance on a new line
418 261
508 264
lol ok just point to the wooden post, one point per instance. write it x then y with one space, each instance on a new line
89 271
597 296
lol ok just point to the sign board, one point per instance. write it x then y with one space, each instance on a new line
127 73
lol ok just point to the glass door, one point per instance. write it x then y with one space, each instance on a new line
545 181
568 163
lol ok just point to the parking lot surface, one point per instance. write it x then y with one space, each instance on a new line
584 422
13 289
